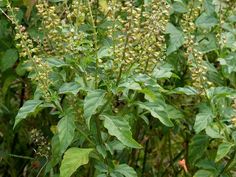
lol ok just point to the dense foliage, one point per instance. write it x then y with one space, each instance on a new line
118 88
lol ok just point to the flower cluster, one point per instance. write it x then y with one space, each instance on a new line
30 53
141 38
195 57
41 143
61 38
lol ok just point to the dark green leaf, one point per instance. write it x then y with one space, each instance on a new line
29 107
9 58
92 101
158 111
176 38
197 147
66 128
203 118
120 128
125 170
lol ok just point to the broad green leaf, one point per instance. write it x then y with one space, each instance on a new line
56 62
204 173
203 118
73 159
104 52
158 111
223 150
209 7
176 38
206 21
66 128
92 101
8 60
207 164
132 85
29 107
164 71
218 92
188 90
197 147
120 128
179 6
56 152
207 43
71 87
213 131
125 170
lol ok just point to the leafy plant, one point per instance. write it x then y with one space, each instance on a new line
117 88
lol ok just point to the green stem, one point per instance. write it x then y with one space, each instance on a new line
95 42
228 164
20 156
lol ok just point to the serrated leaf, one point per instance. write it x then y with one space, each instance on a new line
176 38
120 128
73 159
157 110
8 60
66 129
125 170
203 118
71 87
223 150
29 107
92 101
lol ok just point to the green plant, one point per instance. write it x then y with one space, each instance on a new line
117 88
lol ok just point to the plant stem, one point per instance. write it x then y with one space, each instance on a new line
95 42
20 156
228 164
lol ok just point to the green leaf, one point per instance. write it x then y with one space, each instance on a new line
206 21
125 170
176 38
188 90
164 71
71 87
73 159
92 101
8 60
179 6
66 129
56 62
29 107
213 131
223 150
197 147
219 92
204 173
120 128
104 52
203 118
158 111
132 85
